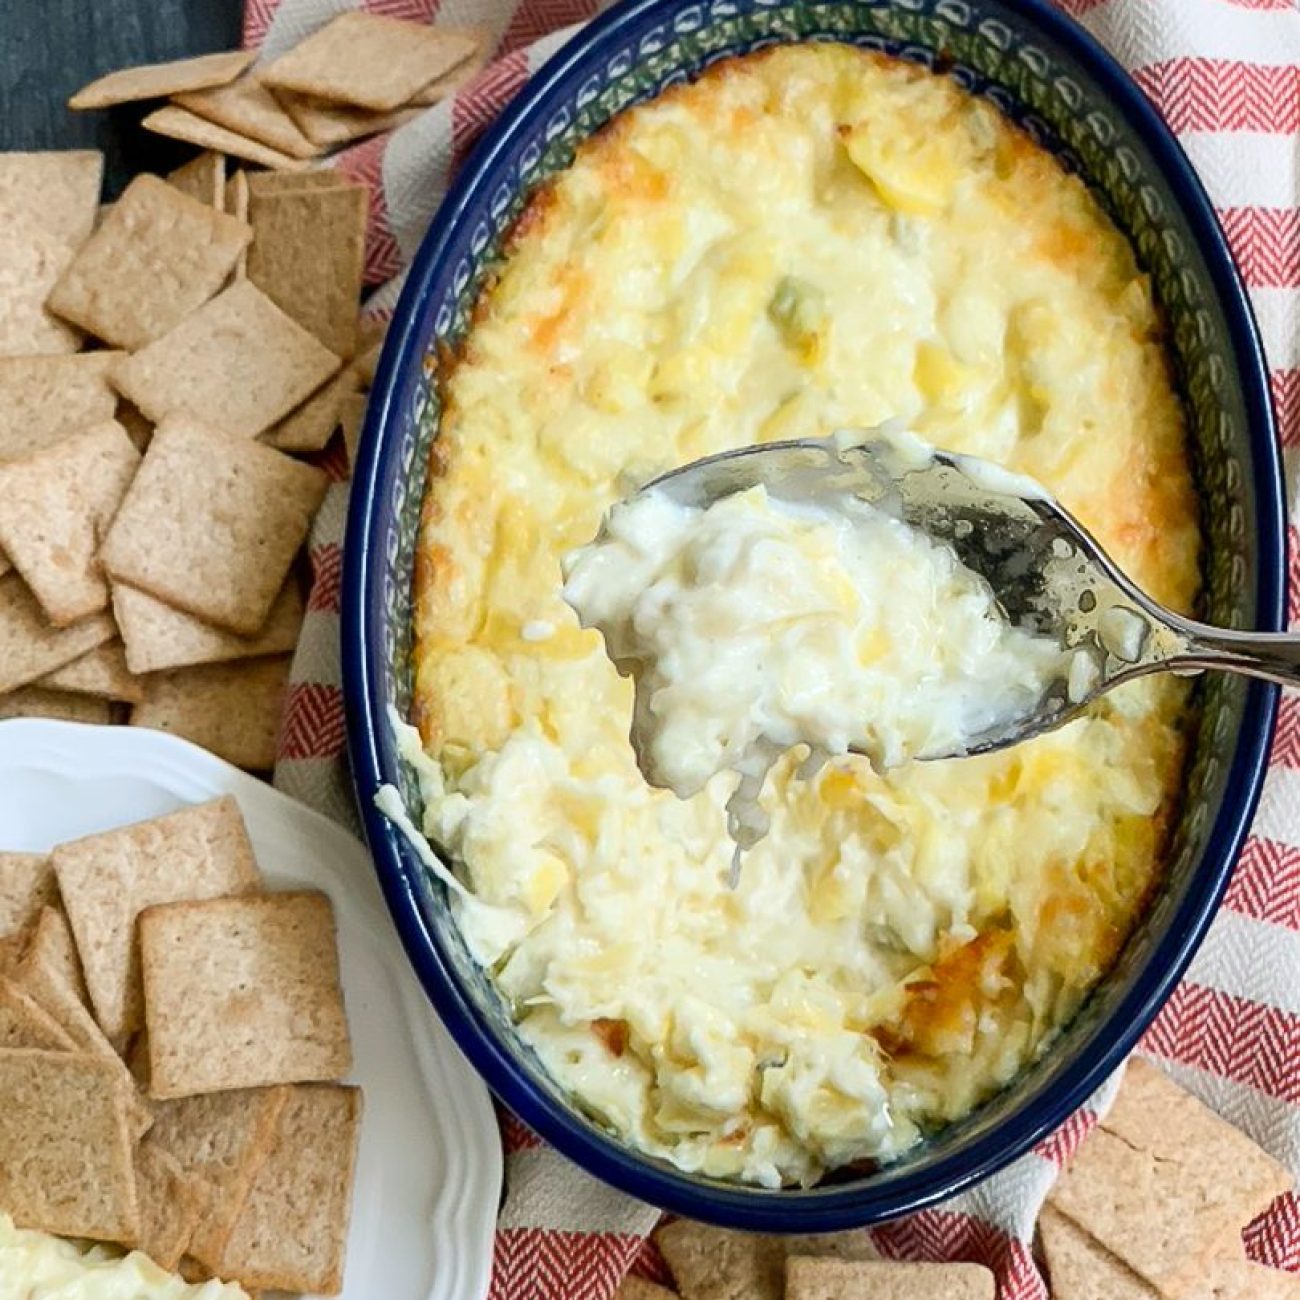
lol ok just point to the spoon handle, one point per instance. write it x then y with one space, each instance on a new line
1274 656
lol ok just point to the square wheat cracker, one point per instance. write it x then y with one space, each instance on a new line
50 944
108 879
711 1263
310 426
29 646
368 60
37 702
56 190
450 82
308 255
328 125
55 507
158 80
1159 1146
202 178
323 178
25 1023
211 524
43 399
292 1232
221 1139
27 884
158 637
352 416
242 993
637 1288
180 124
171 1205
1081 1268
248 108
32 260
838 1279
238 363
157 256
232 709
65 1146
103 673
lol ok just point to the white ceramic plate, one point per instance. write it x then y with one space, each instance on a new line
429 1173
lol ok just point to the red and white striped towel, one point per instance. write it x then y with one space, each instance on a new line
1226 75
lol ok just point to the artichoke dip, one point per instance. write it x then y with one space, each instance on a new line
759 623
803 240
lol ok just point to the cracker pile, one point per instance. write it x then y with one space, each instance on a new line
1155 1202
1152 1208
160 360
171 1036
358 75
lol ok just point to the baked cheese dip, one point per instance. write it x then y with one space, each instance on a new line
762 622
803 240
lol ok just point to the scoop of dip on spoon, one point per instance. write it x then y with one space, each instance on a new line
865 593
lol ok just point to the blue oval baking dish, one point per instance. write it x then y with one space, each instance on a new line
1046 73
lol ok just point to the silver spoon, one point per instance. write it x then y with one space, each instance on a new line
1048 573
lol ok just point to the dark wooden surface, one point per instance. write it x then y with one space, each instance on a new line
49 48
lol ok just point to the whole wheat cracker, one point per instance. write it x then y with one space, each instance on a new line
108 879
180 124
157 80
231 709
238 362
222 1139
37 702
103 672
637 1288
27 884
55 506
32 260
1081 1268
308 255
25 1023
292 1231
57 190
155 258
328 125
810 1278
202 178
171 1204
1160 1146
29 646
65 1145
323 178
43 399
310 426
211 524
248 108
368 60
352 416
709 1263
50 944
450 82
158 637
40 974
242 992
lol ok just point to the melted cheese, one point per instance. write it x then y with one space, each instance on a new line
35 1265
803 240
760 623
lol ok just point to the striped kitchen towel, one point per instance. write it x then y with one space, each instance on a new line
1226 75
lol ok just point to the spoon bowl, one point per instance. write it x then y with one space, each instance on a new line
1049 575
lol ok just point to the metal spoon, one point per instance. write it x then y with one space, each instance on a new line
1048 573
